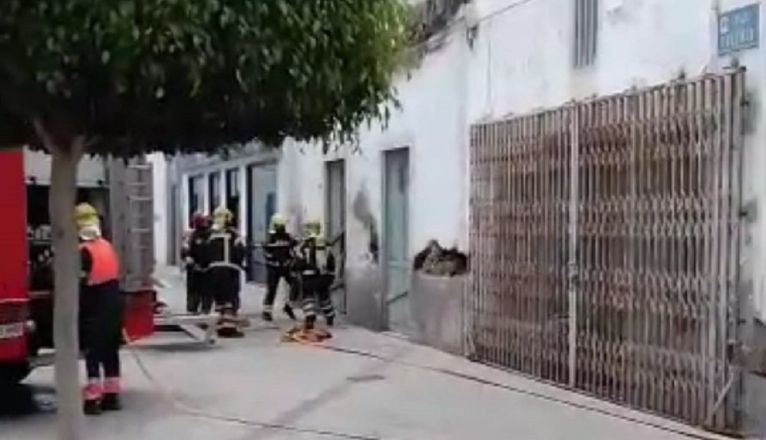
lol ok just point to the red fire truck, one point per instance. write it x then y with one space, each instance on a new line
122 191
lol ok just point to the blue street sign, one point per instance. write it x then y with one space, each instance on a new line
739 29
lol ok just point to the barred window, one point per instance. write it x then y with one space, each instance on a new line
585 32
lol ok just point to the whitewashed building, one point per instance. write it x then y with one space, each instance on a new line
494 63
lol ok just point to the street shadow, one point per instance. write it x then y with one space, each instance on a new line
22 400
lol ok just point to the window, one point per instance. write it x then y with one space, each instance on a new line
585 32
214 189
196 196
232 191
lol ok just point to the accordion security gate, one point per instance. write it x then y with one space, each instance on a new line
605 247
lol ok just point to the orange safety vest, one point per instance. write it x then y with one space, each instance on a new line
105 266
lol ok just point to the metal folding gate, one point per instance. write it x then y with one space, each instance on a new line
605 245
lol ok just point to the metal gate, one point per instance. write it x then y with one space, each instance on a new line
605 247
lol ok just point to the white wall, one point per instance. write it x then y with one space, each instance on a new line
432 125
161 215
37 165
519 62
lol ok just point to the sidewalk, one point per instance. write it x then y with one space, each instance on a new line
398 391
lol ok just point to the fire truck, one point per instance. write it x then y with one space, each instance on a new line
122 193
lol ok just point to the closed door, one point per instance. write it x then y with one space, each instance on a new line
396 236
336 225
263 204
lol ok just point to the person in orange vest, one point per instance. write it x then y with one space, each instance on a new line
101 306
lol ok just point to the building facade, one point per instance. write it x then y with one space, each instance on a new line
414 179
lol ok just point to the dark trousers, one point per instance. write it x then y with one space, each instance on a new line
273 275
316 297
106 362
101 308
198 295
225 284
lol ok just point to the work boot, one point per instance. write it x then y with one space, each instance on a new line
92 397
111 402
92 407
289 312
230 330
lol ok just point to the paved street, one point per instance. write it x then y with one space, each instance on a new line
376 387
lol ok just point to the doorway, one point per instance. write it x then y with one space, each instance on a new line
262 186
396 272
173 227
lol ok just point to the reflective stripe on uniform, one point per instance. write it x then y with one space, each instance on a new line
112 385
226 239
225 264
105 265
327 308
92 390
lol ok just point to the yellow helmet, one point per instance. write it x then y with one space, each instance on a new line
222 216
312 229
277 221
85 215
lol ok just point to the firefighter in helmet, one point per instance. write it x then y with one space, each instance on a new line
101 306
198 296
226 254
316 268
279 260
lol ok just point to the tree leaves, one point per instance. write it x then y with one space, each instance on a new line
193 75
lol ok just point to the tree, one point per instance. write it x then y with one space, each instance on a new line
123 77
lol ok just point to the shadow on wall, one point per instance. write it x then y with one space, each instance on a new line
362 212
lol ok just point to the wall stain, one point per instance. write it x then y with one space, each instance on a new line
362 212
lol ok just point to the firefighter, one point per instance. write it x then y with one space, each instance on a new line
101 306
198 296
316 266
227 254
279 260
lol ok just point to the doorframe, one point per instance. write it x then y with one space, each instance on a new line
385 323
343 164
250 190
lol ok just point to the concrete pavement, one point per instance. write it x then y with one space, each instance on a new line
375 386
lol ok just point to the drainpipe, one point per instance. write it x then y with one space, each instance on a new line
470 29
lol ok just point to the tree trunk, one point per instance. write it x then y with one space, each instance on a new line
66 268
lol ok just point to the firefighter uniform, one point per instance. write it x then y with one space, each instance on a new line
278 251
226 253
317 273
101 308
198 295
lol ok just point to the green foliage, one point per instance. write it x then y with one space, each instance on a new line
191 75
